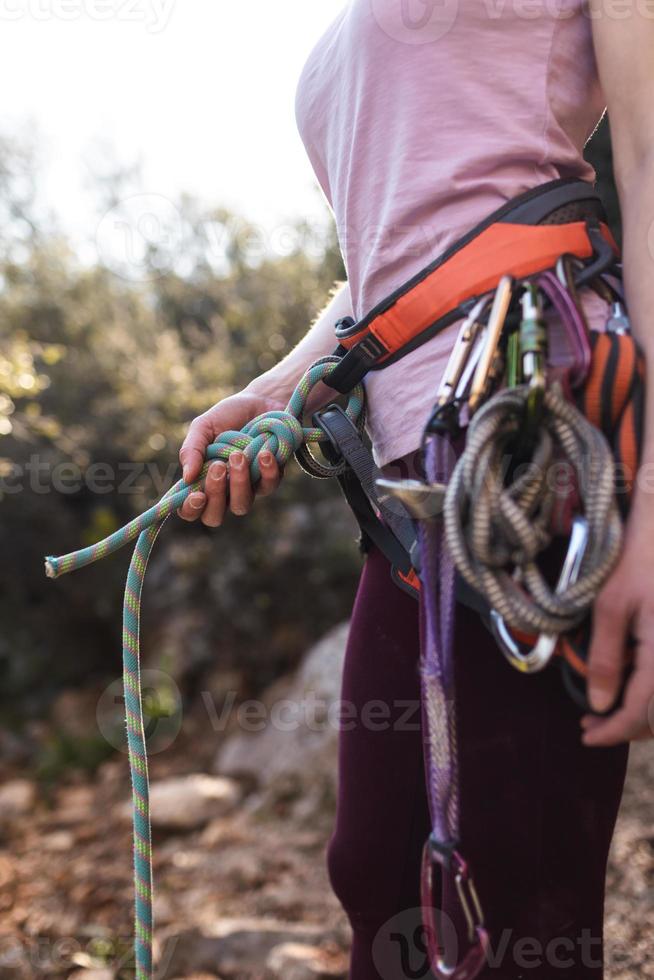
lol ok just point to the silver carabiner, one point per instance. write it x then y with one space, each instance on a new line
543 650
465 348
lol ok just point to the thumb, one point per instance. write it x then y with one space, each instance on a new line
194 447
607 655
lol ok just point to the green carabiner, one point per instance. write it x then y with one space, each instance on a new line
533 354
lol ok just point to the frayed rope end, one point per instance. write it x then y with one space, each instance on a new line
51 567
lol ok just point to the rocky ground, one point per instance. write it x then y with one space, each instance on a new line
240 824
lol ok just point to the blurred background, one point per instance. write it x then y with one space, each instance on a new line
162 241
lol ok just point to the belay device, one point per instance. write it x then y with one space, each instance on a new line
471 531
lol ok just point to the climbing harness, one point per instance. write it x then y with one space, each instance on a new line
472 530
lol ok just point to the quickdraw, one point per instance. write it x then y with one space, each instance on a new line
541 247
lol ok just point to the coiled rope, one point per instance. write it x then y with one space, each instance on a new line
281 433
495 522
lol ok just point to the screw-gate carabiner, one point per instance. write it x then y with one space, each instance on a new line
532 350
444 962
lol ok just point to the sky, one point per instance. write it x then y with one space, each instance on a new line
199 92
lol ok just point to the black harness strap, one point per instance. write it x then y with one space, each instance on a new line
395 534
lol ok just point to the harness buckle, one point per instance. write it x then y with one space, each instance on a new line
604 255
355 363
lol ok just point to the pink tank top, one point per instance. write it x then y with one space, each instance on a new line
419 118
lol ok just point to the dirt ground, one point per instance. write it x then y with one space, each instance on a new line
66 890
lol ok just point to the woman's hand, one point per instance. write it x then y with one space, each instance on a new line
223 491
625 604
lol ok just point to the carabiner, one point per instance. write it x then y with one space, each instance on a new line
537 658
464 346
443 962
566 303
488 359
533 357
461 365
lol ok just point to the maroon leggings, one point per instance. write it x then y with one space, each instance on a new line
538 808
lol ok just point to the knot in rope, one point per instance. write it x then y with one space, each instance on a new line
498 518
279 433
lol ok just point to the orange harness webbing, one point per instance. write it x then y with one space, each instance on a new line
502 249
516 239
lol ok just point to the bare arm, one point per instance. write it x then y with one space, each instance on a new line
269 391
316 343
624 46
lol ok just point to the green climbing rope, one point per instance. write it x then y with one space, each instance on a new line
281 433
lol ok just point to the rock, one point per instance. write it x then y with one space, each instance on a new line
295 961
235 947
92 975
298 720
58 840
189 802
74 804
17 799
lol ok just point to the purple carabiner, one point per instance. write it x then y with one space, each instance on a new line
573 322
440 962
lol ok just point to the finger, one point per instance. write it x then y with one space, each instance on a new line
631 721
606 658
635 733
193 506
194 447
241 493
270 474
216 491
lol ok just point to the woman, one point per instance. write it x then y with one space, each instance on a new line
419 120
